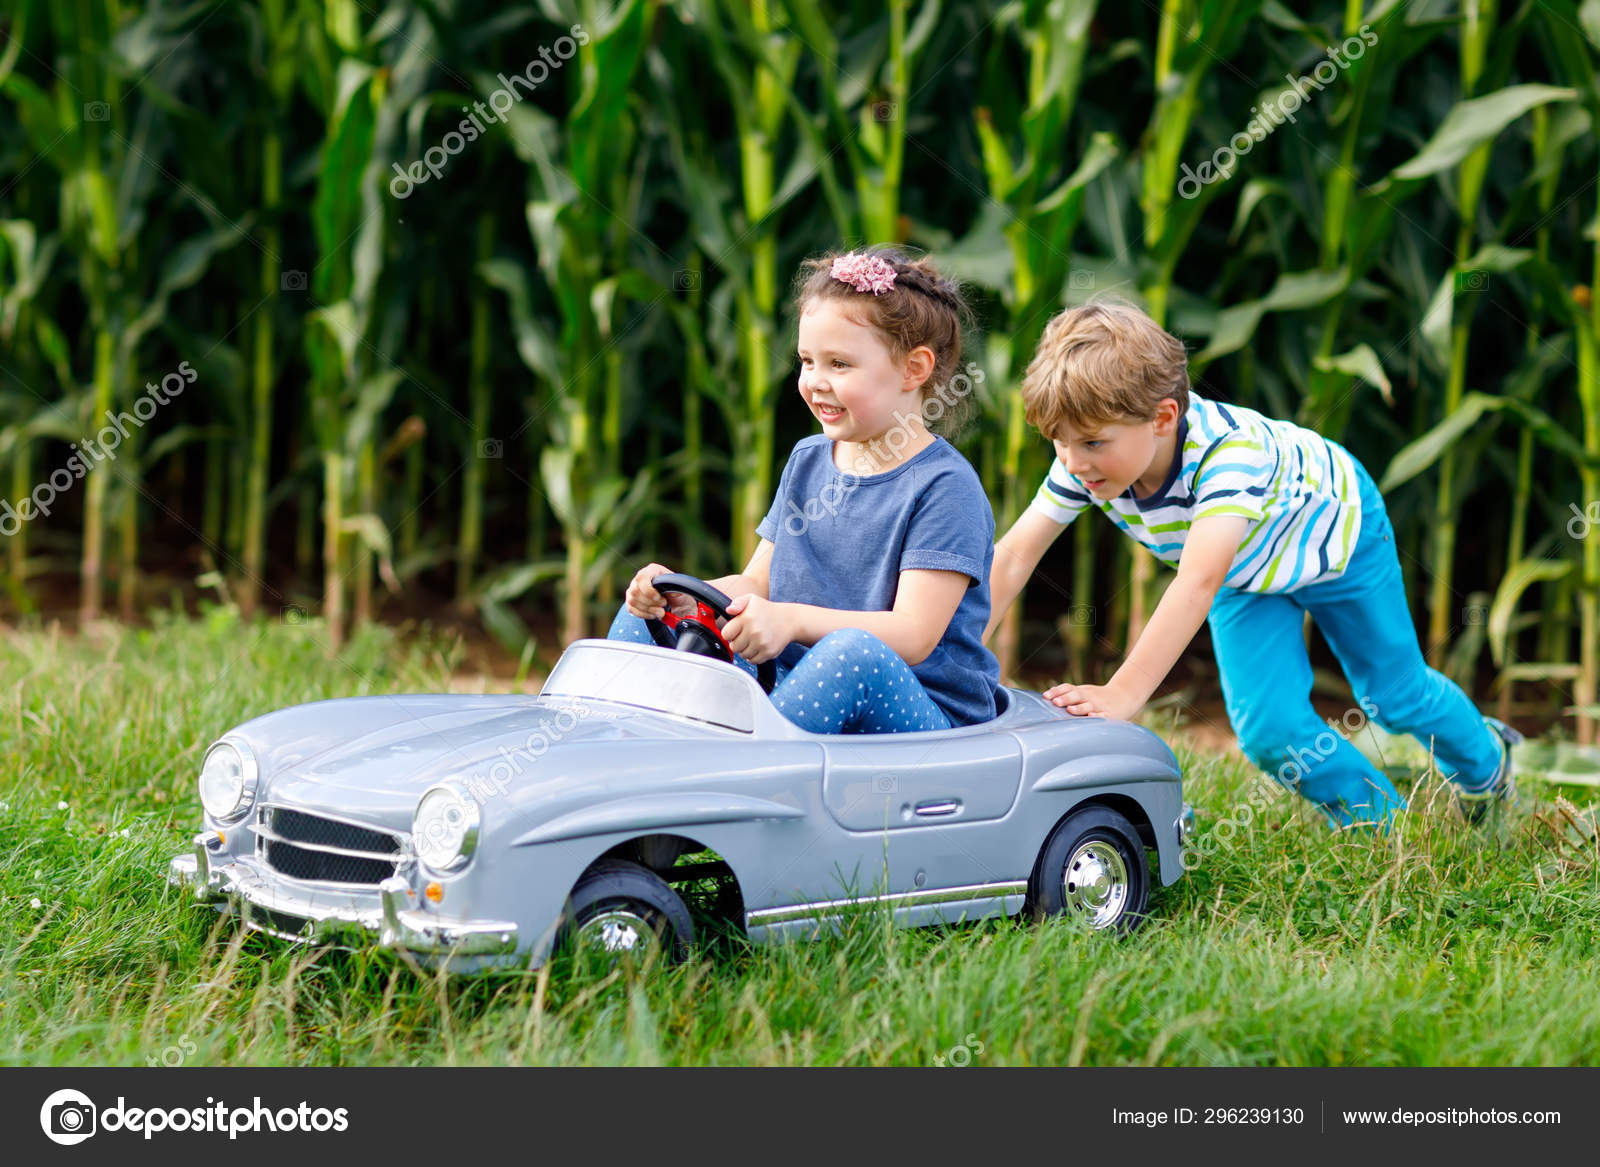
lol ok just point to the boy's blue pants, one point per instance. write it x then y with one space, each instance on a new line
1266 681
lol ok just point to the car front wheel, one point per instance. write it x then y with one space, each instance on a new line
1093 867
623 909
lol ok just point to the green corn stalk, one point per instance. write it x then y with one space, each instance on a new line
306 464
1465 135
17 545
1587 687
363 84
880 160
1192 36
581 170
1021 247
99 258
866 104
694 376
127 505
1472 411
92 230
1477 25
215 474
1348 236
478 389
342 384
411 515
280 29
756 64
108 148
366 501
1344 247
1575 59
1351 234
34 347
1463 138
756 52
1548 148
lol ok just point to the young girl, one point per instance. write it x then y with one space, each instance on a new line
870 584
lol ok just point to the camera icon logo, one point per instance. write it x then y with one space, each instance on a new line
292 281
884 784
491 448
1081 615
1472 281
68 1117
96 111
884 112
294 614
1475 615
1081 280
685 280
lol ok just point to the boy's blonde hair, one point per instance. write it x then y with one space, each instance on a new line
1105 362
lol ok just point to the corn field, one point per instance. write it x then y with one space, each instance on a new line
334 306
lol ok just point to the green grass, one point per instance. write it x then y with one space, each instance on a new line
1287 944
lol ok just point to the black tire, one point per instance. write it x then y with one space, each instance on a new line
1100 844
619 905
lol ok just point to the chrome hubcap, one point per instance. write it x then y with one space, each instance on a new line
618 930
1095 883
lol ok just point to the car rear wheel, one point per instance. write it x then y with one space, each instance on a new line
621 909
1093 867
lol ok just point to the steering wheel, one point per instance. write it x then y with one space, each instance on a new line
699 633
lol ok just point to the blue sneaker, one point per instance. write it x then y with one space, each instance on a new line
1501 792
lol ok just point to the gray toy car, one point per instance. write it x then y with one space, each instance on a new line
486 830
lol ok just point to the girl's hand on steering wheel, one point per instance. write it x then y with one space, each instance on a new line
757 628
648 604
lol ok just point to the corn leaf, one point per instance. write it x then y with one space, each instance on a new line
1360 362
1472 123
1292 290
1522 576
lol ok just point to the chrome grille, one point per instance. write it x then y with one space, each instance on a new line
306 846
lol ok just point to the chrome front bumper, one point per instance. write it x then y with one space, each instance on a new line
263 905
1185 824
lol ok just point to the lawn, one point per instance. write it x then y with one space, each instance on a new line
1286 945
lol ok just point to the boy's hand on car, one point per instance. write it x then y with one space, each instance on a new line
758 629
1093 701
648 604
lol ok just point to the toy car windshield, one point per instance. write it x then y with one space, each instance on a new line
678 684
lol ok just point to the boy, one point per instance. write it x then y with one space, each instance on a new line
1265 521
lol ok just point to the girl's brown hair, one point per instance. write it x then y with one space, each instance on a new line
923 308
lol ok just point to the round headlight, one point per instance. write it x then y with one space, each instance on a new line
444 831
228 780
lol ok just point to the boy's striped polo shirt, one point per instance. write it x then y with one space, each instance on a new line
1298 489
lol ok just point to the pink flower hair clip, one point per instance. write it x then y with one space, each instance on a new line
865 273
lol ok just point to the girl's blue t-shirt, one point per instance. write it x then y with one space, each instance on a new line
841 540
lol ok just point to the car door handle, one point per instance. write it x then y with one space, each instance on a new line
935 809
